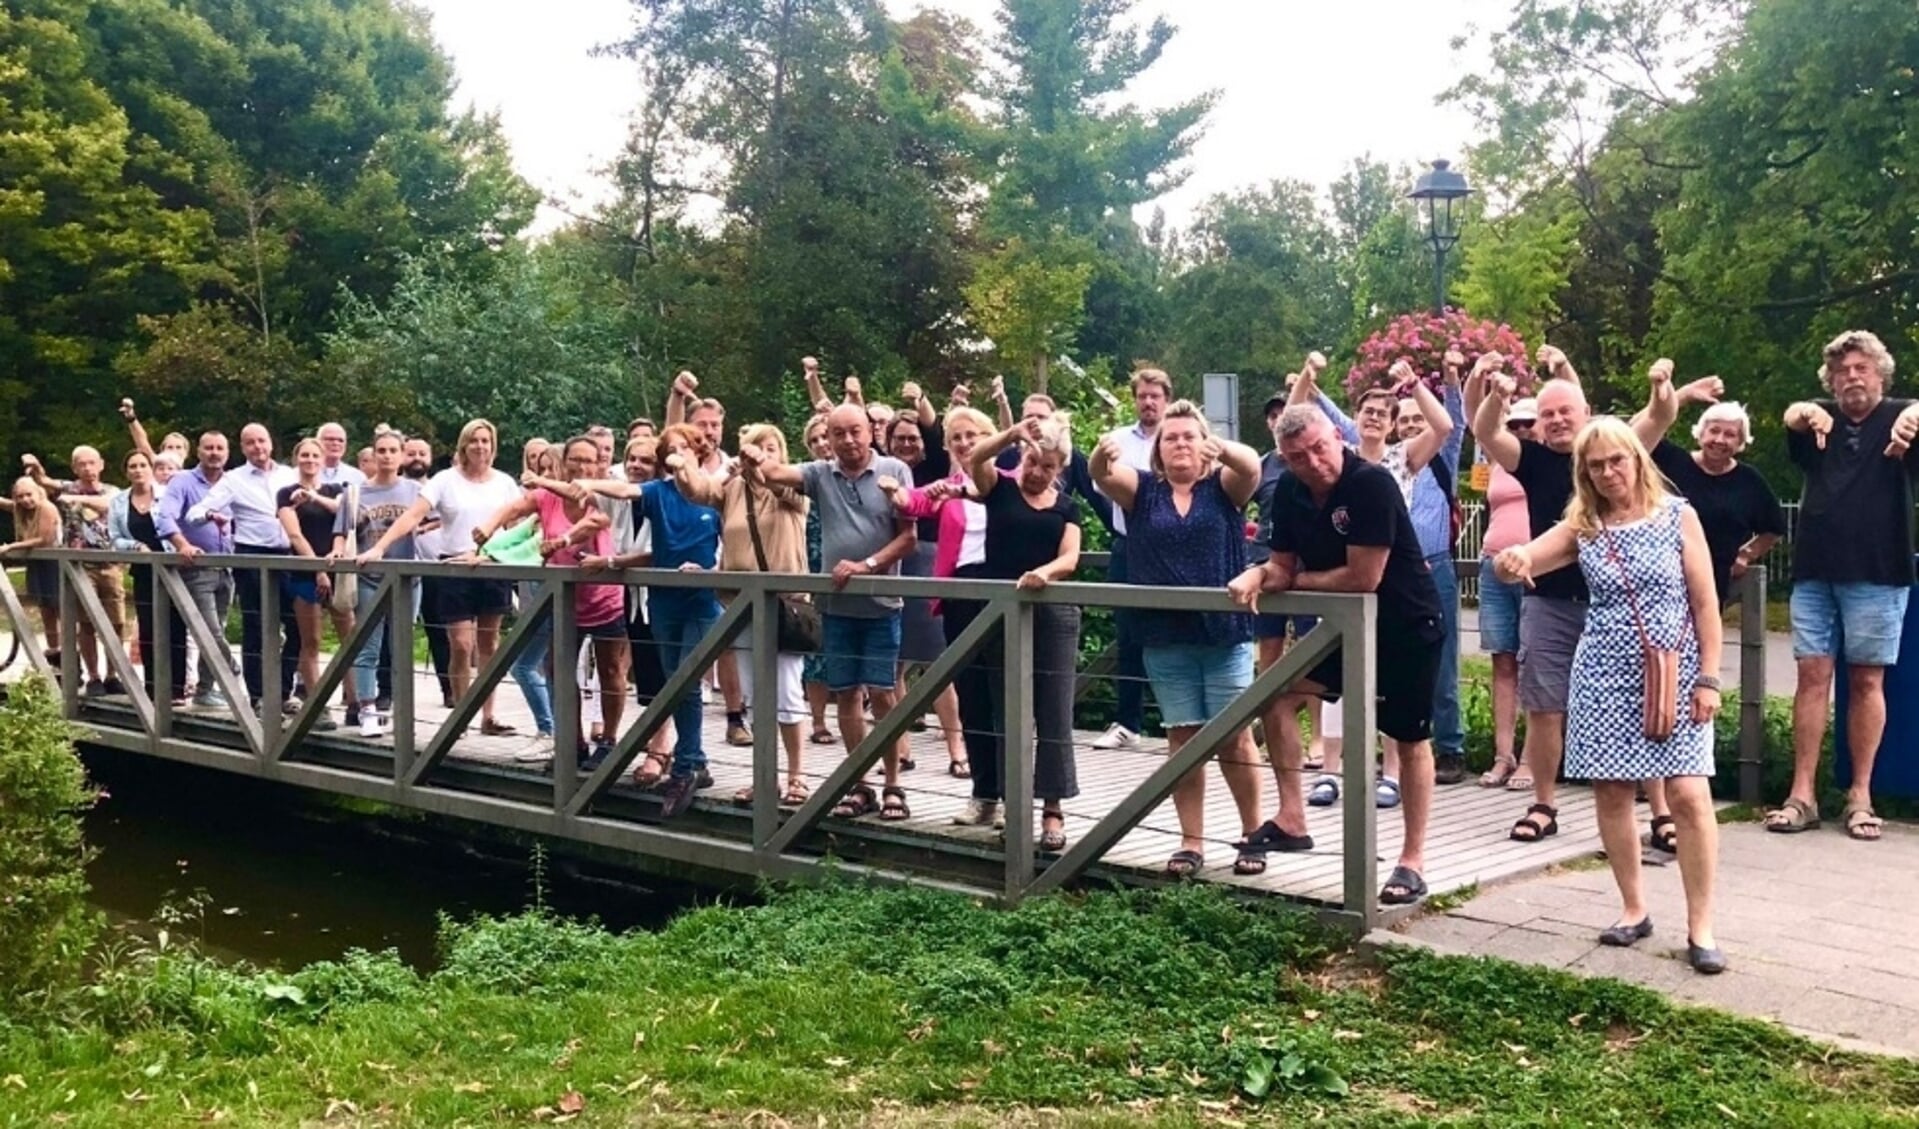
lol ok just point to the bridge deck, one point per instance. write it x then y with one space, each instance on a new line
1467 840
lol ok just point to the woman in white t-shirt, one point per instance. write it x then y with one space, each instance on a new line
465 495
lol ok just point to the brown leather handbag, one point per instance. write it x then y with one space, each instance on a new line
1661 664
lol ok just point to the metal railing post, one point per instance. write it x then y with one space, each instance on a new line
1752 685
399 645
566 694
70 674
764 661
160 662
272 649
1016 743
1356 623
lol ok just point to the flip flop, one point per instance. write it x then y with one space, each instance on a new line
1386 793
824 737
1324 793
1412 887
961 769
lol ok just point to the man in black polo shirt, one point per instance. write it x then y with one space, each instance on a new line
1340 525
1852 570
1553 614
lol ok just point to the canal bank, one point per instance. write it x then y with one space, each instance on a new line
279 876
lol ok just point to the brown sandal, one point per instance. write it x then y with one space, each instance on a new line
824 737
652 770
860 801
795 794
893 807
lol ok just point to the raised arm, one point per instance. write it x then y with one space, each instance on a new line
754 466
1439 422
1238 471
1662 405
1114 478
686 387
1553 365
696 485
982 466
815 392
1002 406
1502 447
921 405
1304 388
136 430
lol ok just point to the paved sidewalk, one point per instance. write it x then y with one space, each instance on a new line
1822 932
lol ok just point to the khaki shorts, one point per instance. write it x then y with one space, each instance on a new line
110 585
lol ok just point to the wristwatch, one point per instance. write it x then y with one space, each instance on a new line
871 564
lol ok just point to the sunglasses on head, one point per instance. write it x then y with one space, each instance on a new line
1520 424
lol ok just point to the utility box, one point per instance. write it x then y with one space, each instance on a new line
1221 394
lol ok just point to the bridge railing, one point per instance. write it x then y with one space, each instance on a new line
422 767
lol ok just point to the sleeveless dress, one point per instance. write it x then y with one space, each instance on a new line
1604 717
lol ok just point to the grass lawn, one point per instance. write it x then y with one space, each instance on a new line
850 1005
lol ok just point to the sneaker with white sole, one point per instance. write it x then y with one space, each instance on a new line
370 723
977 813
537 751
1116 737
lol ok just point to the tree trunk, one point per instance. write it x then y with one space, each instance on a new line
1039 375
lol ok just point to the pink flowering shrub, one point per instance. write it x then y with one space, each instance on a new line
1423 339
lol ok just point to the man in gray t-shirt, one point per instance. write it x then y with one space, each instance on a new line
860 535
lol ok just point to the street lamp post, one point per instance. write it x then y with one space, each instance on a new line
1436 189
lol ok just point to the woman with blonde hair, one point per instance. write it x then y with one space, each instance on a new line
308 510
1186 528
763 529
465 495
1643 703
37 524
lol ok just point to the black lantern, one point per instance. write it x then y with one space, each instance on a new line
1436 190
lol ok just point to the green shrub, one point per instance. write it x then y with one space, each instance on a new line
532 952
46 925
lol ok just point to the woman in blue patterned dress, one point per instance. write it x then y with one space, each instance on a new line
1645 559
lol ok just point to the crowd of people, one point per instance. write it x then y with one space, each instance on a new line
1609 555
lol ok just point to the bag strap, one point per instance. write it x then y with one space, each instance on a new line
753 526
1625 578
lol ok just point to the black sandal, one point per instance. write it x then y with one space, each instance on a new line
893 807
1251 861
1410 886
961 769
1268 837
1526 831
858 802
1185 864
1665 836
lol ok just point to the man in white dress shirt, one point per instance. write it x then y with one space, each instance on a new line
246 500
334 469
1152 391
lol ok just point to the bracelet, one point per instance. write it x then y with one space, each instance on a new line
1706 682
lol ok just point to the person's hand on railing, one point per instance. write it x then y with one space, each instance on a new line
1514 566
595 563
551 545
189 555
847 570
691 566
1032 581
1245 588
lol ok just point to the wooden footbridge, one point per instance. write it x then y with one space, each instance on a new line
1119 829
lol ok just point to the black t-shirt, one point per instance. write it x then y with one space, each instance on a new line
1855 516
1547 476
1364 508
1733 507
933 466
316 521
1019 536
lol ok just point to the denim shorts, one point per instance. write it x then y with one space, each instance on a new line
859 652
1864 621
303 586
1193 683
1498 612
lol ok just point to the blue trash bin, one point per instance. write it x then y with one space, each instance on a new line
1895 771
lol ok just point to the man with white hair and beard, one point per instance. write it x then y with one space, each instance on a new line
1852 569
1553 613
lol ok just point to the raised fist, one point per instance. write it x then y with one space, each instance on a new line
1660 372
126 408
31 463
686 384
1402 375
1489 362
1504 386
999 388
810 365
911 393
852 386
961 396
1315 363
1550 358
1454 359
675 461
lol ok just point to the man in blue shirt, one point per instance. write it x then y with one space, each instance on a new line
211 588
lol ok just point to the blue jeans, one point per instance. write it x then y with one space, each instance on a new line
1129 687
366 662
1449 737
677 630
1864 621
529 670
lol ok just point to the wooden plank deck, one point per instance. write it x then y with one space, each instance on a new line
1467 841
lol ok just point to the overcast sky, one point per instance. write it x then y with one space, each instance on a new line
1304 85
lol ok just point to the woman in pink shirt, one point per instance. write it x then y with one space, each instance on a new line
962 543
1507 525
569 532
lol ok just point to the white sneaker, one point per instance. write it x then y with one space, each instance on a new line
537 751
1117 737
369 722
977 813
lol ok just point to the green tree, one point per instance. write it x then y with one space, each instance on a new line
1030 303
47 928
